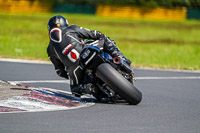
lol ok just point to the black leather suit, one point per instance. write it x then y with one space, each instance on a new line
64 49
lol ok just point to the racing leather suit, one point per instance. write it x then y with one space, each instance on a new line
64 49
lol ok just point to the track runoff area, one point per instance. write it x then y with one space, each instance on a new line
19 97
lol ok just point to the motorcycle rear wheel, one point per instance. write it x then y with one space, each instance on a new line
119 84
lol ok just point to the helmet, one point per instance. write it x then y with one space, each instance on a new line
57 21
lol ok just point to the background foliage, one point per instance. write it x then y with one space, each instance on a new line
147 3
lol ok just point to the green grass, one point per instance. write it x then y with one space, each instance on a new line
157 44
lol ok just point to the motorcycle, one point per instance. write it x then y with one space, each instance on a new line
113 77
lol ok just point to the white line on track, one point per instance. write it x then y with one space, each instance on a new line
168 70
25 61
137 78
173 78
41 81
48 62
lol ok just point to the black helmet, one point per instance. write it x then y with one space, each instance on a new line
57 21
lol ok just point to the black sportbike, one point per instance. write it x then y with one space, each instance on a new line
113 78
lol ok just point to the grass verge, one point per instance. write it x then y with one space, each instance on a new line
160 44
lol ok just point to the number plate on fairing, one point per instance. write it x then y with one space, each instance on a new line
88 55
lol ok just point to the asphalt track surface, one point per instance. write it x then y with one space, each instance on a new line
171 104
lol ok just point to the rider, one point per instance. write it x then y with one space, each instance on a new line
64 49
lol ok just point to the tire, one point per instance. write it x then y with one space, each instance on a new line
119 84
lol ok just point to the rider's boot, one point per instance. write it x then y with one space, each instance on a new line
76 90
114 51
91 89
79 90
117 56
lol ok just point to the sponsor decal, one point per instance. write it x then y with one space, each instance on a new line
73 55
67 49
